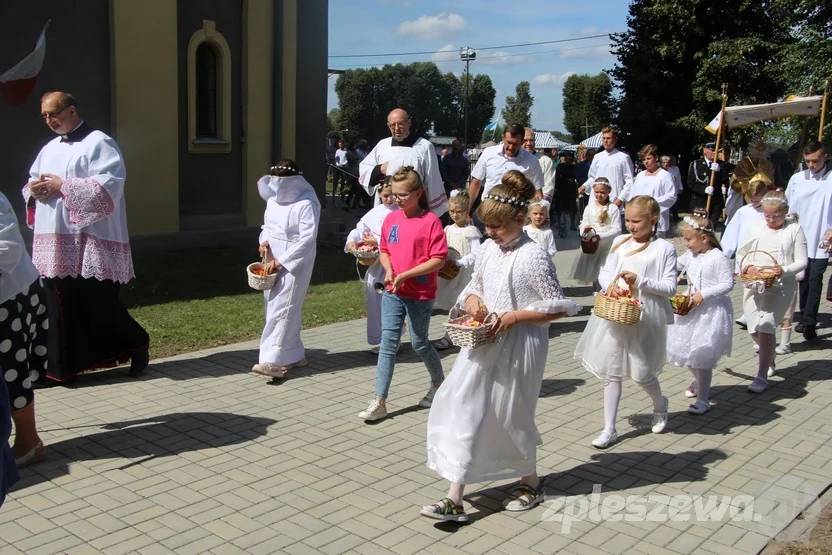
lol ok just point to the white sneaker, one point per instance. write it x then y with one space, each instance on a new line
783 349
758 385
771 370
375 411
604 440
660 418
427 401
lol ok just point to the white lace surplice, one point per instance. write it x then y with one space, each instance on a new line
481 425
703 336
82 232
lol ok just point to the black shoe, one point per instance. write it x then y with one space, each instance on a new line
139 362
809 333
799 328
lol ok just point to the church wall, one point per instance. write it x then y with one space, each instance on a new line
145 111
77 61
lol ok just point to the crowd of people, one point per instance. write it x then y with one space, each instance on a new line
495 234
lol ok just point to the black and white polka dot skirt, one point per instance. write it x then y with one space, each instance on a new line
23 339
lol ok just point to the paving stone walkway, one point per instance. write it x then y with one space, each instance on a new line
200 456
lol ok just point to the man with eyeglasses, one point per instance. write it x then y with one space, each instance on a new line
403 149
75 203
546 165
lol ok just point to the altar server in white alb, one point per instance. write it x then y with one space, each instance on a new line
290 228
75 203
368 230
400 150
809 195
611 163
653 182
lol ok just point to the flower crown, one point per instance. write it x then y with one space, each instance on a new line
459 192
274 169
774 199
542 202
514 201
695 225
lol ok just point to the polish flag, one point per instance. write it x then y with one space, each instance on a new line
18 83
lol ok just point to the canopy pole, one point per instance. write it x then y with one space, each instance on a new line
823 109
803 135
718 142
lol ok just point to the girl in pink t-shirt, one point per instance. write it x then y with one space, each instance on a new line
413 249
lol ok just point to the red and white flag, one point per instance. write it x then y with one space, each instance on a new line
18 83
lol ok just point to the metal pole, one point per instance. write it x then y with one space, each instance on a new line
467 81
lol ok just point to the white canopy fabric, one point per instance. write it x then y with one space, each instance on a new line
738 116
593 142
544 139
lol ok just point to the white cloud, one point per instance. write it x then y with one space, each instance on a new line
503 58
433 26
591 30
447 53
584 53
549 80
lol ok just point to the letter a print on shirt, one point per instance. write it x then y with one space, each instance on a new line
394 235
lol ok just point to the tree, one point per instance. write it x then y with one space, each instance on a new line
451 119
333 123
674 57
519 107
561 136
586 105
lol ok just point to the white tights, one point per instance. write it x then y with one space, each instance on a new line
702 377
767 342
612 396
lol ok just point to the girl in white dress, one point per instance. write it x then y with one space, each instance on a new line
764 306
701 337
613 351
605 218
481 425
287 242
466 239
537 229
368 230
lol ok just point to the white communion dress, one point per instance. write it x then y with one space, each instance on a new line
612 350
703 336
586 267
466 241
481 424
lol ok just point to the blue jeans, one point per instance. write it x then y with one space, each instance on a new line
394 309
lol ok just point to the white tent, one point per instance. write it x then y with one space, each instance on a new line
593 142
544 139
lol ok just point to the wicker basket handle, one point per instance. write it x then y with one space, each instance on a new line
776 264
613 282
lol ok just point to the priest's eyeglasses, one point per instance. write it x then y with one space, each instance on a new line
397 124
52 115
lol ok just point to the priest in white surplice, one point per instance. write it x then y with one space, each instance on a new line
403 149
611 163
75 203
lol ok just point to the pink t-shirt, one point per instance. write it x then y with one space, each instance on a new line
410 242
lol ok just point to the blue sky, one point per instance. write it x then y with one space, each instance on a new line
395 26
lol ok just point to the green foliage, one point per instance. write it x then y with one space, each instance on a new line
433 100
333 123
519 107
587 103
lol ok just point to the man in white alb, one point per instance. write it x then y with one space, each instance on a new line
496 160
809 194
546 165
403 149
75 203
611 163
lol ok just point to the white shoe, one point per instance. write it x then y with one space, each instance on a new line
771 370
690 392
604 440
375 411
758 385
699 407
427 400
374 350
783 349
660 418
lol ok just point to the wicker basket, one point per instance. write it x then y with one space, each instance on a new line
766 275
260 283
365 258
681 304
619 310
450 271
590 241
467 336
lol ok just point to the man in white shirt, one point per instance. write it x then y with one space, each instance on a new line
809 194
546 165
654 182
496 160
340 163
611 163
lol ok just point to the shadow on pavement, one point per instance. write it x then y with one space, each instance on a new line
145 439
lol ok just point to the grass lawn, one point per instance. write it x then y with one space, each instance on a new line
200 299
